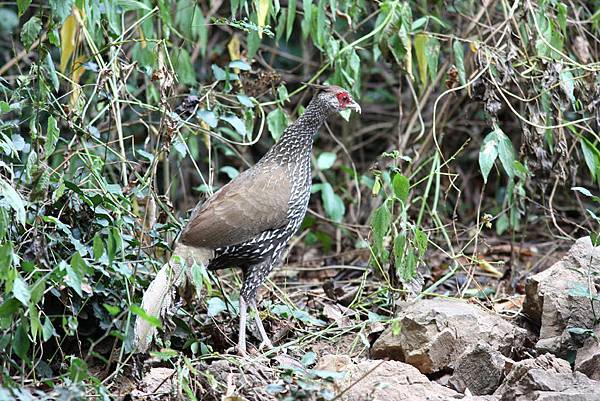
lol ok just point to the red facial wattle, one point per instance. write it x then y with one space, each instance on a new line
344 99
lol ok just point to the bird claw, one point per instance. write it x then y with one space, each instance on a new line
266 345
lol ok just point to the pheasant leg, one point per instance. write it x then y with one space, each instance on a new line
265 343
241 347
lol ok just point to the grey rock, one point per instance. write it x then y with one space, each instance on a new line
480 370
547 378
588 357
392 381
435 332
553 298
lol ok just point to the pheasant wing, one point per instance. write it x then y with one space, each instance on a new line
253 202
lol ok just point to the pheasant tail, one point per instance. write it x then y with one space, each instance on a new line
160 293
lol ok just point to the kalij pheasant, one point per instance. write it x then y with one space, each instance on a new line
249 221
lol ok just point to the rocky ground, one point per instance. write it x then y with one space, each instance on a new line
436 349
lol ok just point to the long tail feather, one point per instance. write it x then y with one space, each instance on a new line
160 294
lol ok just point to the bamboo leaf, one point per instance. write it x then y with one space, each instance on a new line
420 44
488 154
262 12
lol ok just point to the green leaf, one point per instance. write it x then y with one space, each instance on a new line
9 307
52 72
326 160
459 59
307 20
98 247
277 122
432 52
152 320
291 16
23 5
6 257
13 199
380 224
215 305
30 31
245 100
401 187
21 290
208 117
583 191
332 203
61 9
488 154
48 330
420 44
21 342
399 245
78 371
591 156
421 240
239 64
52 135
236 122
183 67
506 152
131 5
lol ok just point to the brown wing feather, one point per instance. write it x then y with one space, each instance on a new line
255 201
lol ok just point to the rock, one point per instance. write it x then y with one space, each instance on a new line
588 357
392 381
158 381
547 378
435 332
554 298
479 369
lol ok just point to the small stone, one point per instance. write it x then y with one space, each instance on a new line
588 357
480 370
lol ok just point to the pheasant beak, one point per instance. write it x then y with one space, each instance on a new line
354 106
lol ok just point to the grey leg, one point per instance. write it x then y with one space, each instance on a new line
241 347
263 334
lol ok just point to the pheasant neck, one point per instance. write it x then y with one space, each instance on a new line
297 139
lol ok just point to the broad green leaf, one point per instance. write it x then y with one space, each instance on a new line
506 152
130 5
21 290
6 257
245 100
432 52
420 45
326 160
31 31
332 203
21 342
61 9
78 371
409 270
240 64
98 247
208 117
459 59
488 154
421 240
583 191
591 156
52 72
48 330
13 199
183 67
152 320
399 245
22 6
291 16
307 20
401 186
9 307
52 135
567 83
380 224
277 122
68 33
215 306
236 122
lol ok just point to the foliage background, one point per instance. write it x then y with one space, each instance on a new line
479 128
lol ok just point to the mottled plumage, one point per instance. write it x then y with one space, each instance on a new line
249 221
